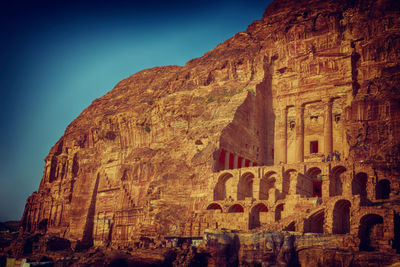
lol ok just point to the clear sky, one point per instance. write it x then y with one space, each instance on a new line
56 58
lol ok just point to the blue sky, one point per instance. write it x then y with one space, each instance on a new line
56 58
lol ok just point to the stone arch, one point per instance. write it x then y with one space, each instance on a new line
315 223
359 185
245 186
382 189
266 184
335 181
370 232
278 212
310 184
287 178
313 172
235 208
223 188
257 215
341 217
214 206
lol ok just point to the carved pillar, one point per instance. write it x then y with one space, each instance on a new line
243 163
235 162
283 129
326 181
256 188
328 141
280 142
227 160
299 157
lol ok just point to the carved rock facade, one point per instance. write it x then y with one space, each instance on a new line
292 125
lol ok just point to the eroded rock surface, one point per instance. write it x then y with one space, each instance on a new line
242 138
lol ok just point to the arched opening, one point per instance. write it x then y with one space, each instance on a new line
258 215
235 208
278 212
288 178
315 223
359 186
341 217
266 184
290 227
310 184
382 189
370 232
245 186
335 181
224 187
214 206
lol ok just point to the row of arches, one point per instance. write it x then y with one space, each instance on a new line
307 185
226 188
370 230
359 187
256 212
370 226
340 219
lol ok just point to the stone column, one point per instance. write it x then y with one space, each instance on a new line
227 160
256 188
243 163
326 181
328 142
235 161
299 156
283 130
280 142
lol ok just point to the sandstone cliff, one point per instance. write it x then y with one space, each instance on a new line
138 161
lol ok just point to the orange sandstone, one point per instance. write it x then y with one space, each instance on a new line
292 125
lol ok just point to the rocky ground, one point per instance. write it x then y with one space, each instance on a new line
220 248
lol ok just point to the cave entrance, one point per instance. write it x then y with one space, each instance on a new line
382 189
43 225
245 186
258 216
370 232
341 217
313 175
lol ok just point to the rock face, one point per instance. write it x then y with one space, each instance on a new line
293 125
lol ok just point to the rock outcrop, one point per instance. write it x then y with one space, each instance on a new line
241 138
